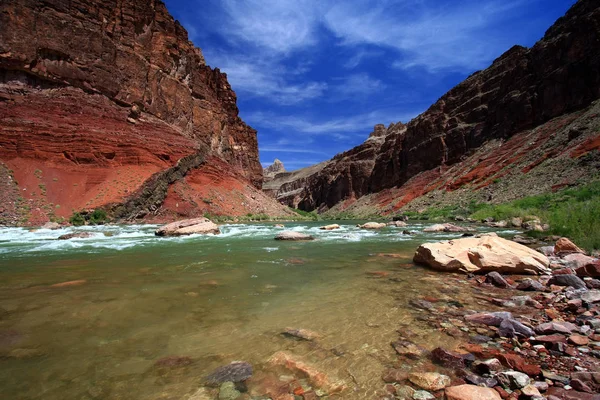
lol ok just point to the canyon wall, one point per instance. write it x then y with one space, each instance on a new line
98 96
522 89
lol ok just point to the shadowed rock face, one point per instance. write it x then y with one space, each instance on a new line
522 89
345 176
101 84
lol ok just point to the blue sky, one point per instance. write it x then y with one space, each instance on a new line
314 77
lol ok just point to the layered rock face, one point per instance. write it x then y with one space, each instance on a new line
522 89
345 176
100 95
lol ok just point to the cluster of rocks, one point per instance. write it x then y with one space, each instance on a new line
239 381
530 223
543 345
446 228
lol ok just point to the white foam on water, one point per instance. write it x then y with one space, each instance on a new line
121 237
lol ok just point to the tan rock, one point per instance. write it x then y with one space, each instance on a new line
564 245
330 227
445 228
293 236
69 283
372 225
516 222
533 225
429 380
397 224
188 227
471 392
315 376
482 254
51 225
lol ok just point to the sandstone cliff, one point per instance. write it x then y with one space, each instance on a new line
98 97
521 90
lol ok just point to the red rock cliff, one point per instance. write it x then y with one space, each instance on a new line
97 96
522 89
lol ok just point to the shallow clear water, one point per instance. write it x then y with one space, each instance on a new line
138 298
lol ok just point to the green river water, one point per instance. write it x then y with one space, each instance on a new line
214 299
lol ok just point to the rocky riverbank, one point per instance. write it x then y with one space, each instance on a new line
529 338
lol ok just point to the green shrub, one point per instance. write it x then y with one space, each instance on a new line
574 213
77 219
306 214
98 217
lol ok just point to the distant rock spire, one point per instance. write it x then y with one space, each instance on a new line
273 169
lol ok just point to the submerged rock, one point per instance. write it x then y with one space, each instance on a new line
69 283
293 236
237 371
75 235
429 380
315 376
188 227
408 349
479 254
173 362
227 391
303 334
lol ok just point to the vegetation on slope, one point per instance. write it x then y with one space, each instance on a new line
574 213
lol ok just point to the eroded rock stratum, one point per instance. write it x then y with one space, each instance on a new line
96 97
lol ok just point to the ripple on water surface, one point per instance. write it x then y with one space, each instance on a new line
90 318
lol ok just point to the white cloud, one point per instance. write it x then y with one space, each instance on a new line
266 78
454 37
279 25
357 85
358 56
340 127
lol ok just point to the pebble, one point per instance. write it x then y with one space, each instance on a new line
227 391
514 379
423 395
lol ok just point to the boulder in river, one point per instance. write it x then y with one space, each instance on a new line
372 225
397 224
188 227
446 228
75 235
51 225
293 236
330 227
299 333
482 253
237 371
